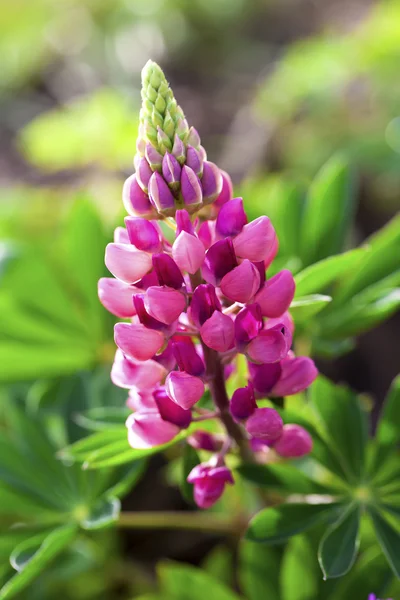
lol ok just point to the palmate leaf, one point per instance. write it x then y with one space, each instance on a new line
277 524
318 276
388 537
30 568
339 545
53 323
285 479
305 307
184 582
343 425
258 571
327 212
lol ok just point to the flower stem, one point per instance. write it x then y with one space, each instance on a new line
180 520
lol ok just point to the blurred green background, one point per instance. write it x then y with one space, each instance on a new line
275 88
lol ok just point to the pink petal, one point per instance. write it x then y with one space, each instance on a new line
184 389
188 252
218 332
132 373
147 430
126 263
276 295
297 374
164 304
117 297
269 346
256 240
136 341
241 283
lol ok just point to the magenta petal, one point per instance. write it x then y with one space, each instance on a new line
190 188
143 234
243 403
184 389
206 233
248 323
171 169
131 373
183 222
204 303
170 411
255 240
121 236
187 358
269 346
231 218
294 442
277 294
188 252
220 259
117 297
164 304
143 173
211 182
265 423
168 272
148 429
141 400
160 195
127 263
297 374
265 376
135 200
227 189
218 332
241 283
136 341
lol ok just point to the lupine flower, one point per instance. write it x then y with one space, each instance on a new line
373 597
209 482
193 304
293 442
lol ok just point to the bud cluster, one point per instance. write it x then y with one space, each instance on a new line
193 305
172 170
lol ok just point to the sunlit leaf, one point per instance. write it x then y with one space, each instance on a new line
339 545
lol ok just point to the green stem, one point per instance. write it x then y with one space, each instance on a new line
180 520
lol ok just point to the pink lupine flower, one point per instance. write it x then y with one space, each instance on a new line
147 429
265 423
243 403
218 332
195 302
117 297
240 284
276 295
231 218
184 389
209 482
127 263
293 442
256 240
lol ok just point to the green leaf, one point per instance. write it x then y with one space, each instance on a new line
343 423
183 582
299 566
101 418
53 545
316 277
84 236
276 524
305 307
370 572
284 478
381 260
105 512
126 480
258 571
219 564
327 212
282 201
388 430
339 545
190 459
389 539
